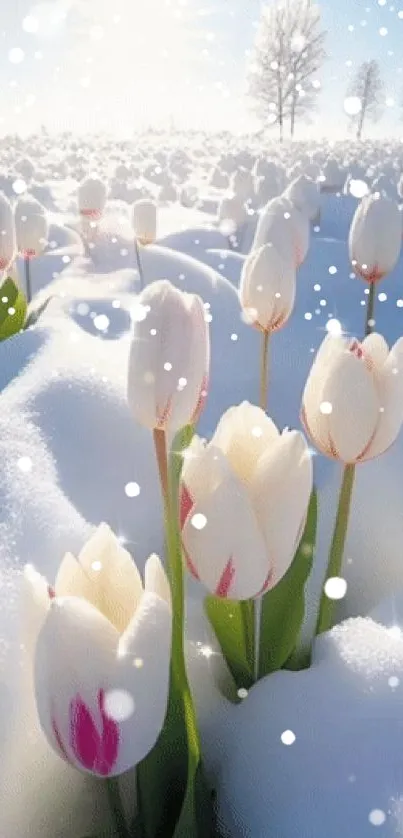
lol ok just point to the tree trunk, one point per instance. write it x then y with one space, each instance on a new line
361 122
293 109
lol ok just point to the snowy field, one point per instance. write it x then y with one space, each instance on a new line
71 457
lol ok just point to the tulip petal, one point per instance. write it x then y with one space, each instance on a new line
267 288
314 419
243 435
169 358
36 604
75 661
193 393
105 575
143 673
351 393
155 579
281 494
222 539
390 394
376 350
203 468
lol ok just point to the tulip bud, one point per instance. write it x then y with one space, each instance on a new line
101 656
352 406
267 290
7 234
286 227
169 358
375 237
244 502
145 221
304 193
31 226
231 215
91 198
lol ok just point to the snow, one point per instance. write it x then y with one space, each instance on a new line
69 447
317 752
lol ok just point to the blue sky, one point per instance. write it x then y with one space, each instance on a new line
121 64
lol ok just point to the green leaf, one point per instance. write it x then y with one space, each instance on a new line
233 625
283 608
35 313
10 324
162 775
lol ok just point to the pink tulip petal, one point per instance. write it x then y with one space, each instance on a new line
226 580
110 739
85 739
186 505
201 401
97 753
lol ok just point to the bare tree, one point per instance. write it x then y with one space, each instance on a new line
368 87
288 52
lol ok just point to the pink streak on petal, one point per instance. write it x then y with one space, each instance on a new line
85 739
186 504
163 415
267 583
201 401
226 580
51 592
91 213
191 567
110 739
94 751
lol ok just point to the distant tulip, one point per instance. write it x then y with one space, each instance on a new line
31 226
92 198
145 221
169 358
304 193
267 289
102 656
244 501
7 234
375 237
232 214
283 225
352 406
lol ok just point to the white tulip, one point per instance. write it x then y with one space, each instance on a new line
284 226
242 184
145 221
232 215
92 198
102 655
169 358
267 289
304 193
244 502
31 225
8 245
333 177
375 237
353 400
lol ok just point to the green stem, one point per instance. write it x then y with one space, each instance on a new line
337 546
176 576
254 612
28 279
116 805
369 320
264 371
